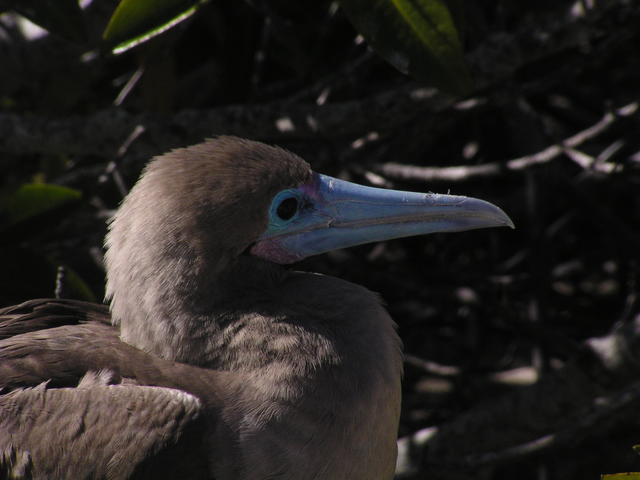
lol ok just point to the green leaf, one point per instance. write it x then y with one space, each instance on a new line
33 199
62 17
136 21
621 476
418 37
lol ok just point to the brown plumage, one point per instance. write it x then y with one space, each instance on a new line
214 361
263 350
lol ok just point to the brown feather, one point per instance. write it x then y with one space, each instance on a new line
296 375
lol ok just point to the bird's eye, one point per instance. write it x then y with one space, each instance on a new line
287 208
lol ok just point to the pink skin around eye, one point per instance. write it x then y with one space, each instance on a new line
271 250
310 189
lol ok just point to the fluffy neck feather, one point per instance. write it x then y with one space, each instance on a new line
286 334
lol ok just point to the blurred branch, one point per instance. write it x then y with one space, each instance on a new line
430 367
590 396
469 172
494 61
568 45
101 133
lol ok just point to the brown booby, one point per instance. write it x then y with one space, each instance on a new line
213 360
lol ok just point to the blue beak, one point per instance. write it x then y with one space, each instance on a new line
329 213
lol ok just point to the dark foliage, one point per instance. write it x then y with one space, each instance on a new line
496 324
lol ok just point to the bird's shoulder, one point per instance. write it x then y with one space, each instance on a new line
101 430
59 341
76 402
53 340
44 313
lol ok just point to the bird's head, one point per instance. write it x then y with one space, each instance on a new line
198 211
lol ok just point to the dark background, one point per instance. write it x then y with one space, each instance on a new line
498 325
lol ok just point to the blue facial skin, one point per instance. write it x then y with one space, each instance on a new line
328 213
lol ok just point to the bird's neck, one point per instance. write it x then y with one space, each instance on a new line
311 349
183 312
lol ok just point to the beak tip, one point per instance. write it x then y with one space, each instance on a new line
492 214
505 220
509 223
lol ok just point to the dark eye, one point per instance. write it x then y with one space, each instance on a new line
287 208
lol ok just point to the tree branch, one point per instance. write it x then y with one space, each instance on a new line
101 133
589 397
459 173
